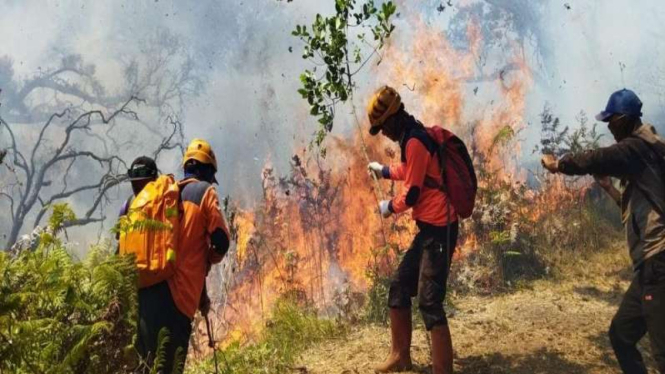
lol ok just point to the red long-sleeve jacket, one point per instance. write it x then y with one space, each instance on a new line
419 160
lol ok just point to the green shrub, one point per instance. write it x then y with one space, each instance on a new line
291 329
59 315
379 274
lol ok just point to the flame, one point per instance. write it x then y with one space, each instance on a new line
316 230
434 71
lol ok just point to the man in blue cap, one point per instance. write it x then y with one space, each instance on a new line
637 160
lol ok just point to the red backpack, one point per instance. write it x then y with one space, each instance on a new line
459 177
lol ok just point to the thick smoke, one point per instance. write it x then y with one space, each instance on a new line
579 52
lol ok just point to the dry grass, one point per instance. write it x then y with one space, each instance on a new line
557 325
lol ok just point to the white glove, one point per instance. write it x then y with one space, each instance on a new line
376 168
383 208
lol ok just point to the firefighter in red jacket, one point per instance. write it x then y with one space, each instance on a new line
425 265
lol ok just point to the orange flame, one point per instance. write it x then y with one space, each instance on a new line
314 232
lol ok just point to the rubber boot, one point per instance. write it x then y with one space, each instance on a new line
442 350
399 358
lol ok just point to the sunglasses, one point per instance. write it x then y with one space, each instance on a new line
141 171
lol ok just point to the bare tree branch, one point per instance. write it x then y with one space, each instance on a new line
168 143
63 195
71 79
76 149
11 202
65 175
110 181
35 175
41 135
19 160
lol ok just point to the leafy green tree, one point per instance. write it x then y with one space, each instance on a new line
339 47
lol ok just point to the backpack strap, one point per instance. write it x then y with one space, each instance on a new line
432 147
420 134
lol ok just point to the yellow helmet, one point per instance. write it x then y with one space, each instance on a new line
384 103
200 151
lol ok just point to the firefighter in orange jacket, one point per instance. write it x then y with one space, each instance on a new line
425 266
204 240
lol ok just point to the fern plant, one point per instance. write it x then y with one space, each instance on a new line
126 225
59 315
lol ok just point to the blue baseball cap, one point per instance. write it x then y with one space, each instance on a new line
621 102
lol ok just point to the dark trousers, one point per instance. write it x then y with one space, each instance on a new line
424 272
157 311
642 310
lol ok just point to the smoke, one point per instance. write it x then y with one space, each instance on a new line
578 52
593 49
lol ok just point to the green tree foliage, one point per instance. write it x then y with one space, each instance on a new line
338 54
60 315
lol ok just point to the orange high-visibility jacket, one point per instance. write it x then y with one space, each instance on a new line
419 159
202 217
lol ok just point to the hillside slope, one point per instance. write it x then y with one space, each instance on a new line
553 326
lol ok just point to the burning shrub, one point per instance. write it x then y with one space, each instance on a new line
519 234
316 238
496 247
576 214
309 238
519 231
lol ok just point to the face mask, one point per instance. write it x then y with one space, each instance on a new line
392 129
621 127
201 172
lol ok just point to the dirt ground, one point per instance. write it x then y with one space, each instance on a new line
553 326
